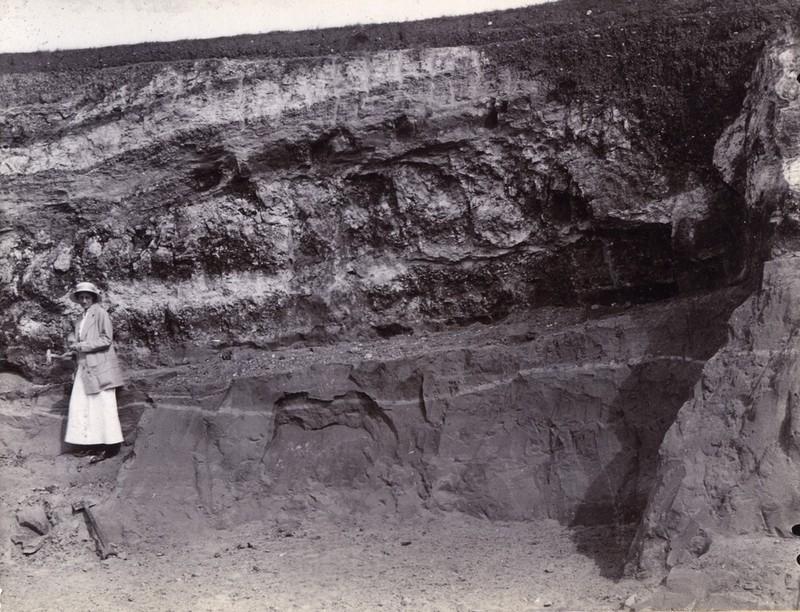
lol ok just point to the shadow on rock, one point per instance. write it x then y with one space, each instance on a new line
629 433
647 403
605 523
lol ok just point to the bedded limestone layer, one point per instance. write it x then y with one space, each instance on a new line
555 417
220 202
559 421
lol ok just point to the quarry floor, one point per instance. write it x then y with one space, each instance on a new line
444 562
329 561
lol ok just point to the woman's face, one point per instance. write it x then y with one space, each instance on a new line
85 299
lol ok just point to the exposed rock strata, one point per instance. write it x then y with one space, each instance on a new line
318 198
728 464
230 206
565 425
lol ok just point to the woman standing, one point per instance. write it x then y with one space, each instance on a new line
93 418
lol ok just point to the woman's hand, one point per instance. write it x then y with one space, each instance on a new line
60 356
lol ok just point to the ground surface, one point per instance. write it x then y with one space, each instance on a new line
316 562
322 562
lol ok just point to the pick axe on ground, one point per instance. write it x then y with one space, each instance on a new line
104 548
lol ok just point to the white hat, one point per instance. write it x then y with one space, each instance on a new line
85 287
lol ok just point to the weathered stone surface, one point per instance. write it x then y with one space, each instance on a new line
264 201
729 463
758 154
34 518
687 581
29 542
565 425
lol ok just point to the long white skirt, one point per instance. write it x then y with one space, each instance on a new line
92 419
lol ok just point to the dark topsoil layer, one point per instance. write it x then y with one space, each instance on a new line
682 66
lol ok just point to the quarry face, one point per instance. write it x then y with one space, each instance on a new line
416 284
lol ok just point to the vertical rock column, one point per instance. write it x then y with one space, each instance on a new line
729 463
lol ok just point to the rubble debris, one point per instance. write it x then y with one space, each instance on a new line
34 518
30 542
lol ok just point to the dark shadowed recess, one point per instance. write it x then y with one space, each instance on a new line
604 523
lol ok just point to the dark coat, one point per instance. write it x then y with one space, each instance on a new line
97 360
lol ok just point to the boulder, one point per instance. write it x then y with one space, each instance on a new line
35 518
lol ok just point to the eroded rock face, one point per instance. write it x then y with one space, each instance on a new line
564 425
228 207
728 465
265 201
